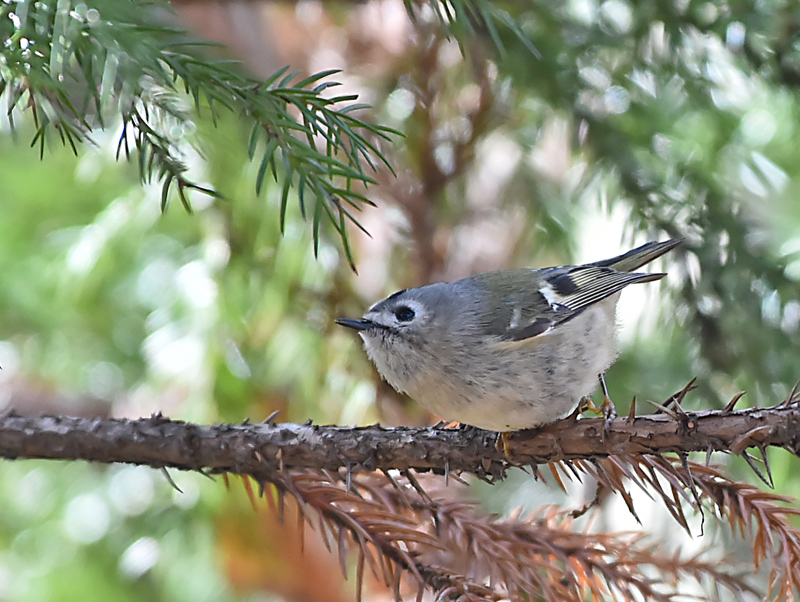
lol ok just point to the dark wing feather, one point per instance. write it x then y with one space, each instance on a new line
633 260
554 296
596 283
569 291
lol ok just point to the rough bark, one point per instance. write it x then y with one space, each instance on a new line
262 449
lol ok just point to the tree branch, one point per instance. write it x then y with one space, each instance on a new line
262 449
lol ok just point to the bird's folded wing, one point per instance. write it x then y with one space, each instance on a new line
566 293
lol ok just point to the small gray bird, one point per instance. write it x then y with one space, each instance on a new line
505 350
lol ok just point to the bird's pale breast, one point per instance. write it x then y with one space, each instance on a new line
501 385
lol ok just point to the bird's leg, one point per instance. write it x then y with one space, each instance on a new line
503 442
608 407
587 405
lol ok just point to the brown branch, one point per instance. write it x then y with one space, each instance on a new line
387 539
397 529
456 551
262 449
762 518
548 554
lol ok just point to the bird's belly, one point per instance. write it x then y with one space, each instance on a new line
532 383
527 405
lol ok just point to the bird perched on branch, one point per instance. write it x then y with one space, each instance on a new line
509 349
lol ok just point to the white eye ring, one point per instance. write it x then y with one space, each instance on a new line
406 311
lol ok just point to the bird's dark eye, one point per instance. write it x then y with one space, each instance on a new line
404 314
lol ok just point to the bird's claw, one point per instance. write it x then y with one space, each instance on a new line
609 411
584 404
504 443
608 408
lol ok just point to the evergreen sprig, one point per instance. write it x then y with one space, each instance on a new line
77 66
466 19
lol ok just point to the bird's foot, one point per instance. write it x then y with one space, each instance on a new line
449 425
503 443
584 404
607 409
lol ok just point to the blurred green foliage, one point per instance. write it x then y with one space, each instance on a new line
73 67
631 122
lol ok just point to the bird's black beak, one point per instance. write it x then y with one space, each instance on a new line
360 324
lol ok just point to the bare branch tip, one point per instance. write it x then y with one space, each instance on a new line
167 476
752 464
732 403
767 469
792 399
632 412
270 420
663 409
690 386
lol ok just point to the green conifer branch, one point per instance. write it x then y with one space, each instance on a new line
76 67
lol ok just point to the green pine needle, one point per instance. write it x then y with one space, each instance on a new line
75 67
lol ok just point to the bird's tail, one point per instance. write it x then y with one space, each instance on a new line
639 256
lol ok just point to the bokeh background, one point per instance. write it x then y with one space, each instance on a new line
626 122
